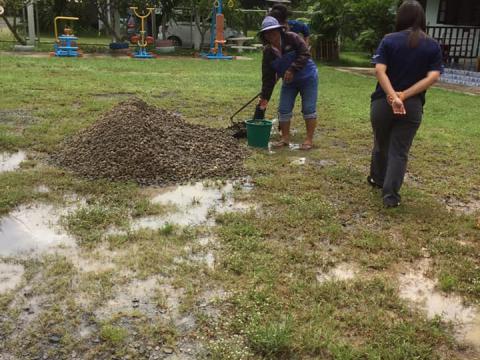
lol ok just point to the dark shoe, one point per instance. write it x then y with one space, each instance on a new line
372 183
390 202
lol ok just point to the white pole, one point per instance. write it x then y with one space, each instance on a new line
31 23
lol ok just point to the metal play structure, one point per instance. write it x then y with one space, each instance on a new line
142 41
217 34
66 45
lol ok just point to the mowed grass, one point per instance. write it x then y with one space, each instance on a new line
310 217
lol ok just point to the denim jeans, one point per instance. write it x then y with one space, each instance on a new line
393 137
308 89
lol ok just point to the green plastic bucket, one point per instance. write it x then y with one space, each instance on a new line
258 132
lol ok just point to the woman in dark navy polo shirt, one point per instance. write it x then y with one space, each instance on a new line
407 62
281 13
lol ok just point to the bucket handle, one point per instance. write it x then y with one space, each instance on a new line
244 106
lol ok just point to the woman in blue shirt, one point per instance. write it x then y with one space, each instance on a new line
281 13
407 62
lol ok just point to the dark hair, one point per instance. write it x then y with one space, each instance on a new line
280 12
411 17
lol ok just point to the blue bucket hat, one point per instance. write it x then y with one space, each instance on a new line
270 23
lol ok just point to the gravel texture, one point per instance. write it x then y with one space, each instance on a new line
151 146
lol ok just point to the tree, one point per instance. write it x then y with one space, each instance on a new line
374 19
202 13
167 7
11 9
367 21
107 8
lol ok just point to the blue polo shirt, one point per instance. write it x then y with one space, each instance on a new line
299 27
406 65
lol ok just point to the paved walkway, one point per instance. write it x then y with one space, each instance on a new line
371 72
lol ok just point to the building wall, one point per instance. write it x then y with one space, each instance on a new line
431 12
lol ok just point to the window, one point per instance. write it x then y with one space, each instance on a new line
442 12
459 12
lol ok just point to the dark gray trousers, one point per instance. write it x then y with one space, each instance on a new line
393 137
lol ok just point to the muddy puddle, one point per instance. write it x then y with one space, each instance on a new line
420 290
16 117
10 276
471 207
42 189
113 95
340 272
32 228
194 204
11 161
298 161
136 295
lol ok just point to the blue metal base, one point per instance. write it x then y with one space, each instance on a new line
61 53
142 54
66 51
211 56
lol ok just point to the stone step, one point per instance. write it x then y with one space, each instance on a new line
460 82
463 78
462 72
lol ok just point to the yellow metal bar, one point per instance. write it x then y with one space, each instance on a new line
62 18
142 42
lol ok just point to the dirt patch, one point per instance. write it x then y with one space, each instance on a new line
151 146
10 276
136 295
456 205
17 117
114 95
341 272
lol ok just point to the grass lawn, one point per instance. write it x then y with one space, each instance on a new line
309 220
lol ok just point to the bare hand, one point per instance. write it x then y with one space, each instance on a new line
288 77
263 104
398 107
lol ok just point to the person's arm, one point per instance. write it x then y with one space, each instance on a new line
302 57
421 86
384 81
435 69
269 78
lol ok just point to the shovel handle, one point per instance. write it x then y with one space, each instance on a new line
244 106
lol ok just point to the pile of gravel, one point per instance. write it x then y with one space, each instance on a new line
138 142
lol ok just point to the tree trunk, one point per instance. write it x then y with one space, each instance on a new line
164 26
111 31
14 31
197 47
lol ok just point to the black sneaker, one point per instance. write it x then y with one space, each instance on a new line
390 202
372 183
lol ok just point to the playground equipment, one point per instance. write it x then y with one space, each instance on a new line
217 34
142 41
66 44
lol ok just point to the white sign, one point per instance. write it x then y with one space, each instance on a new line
2 10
